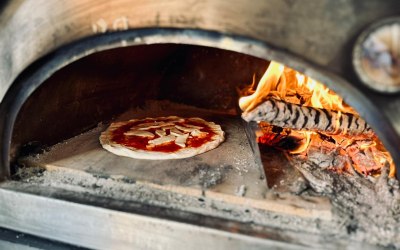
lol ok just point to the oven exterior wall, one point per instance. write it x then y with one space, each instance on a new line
98 228
320 31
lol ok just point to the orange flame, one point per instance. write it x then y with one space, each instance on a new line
286 84
267 83
306 142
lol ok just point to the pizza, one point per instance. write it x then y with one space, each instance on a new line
161 138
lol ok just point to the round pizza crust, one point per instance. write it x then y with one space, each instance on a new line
107 142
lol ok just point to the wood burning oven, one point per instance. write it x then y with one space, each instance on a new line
67 69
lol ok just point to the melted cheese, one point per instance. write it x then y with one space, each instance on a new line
176 132
149 125
198 133
140 133
181 140
162 140
161 132
193 126
185 129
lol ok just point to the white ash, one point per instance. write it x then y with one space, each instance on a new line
371 205
298 186
241 191
120 188
327 159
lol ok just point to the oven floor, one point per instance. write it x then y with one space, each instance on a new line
229 169
226 182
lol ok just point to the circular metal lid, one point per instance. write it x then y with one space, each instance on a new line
376 56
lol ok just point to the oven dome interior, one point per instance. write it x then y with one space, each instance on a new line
100 86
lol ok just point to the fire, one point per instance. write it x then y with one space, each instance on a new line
368 155
289 85
268 84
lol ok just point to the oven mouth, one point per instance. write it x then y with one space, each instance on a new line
311 202
41 70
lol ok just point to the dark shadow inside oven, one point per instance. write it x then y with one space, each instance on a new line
100 86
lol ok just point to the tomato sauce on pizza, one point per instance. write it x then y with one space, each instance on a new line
174 135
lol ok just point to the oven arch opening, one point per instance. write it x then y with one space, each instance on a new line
37 73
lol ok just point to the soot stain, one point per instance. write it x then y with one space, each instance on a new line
207 176
199 173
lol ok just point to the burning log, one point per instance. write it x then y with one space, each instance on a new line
294 116
325 124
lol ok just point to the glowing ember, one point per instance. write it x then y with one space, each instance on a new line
364 151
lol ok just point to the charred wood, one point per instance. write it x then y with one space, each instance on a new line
294 116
